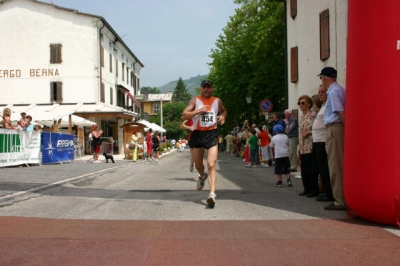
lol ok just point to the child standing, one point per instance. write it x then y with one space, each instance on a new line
253 143
282 163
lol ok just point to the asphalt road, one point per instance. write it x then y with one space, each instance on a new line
153 191
150 213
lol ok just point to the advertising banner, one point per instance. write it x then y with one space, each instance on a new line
19 147
57 147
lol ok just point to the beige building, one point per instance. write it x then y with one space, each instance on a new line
59 60
316 38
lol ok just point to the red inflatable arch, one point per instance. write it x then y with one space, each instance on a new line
372 131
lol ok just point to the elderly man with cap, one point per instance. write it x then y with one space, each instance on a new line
334 120
206 112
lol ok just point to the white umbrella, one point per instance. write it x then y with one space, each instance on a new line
158 128
76 120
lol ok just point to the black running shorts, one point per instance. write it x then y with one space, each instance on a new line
203 139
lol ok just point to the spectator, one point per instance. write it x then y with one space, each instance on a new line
308 173
6 122
96 143
266 153
280 142
229 144
134 145
21 122
334 142
38 127
292 131
28 123
149 144
277 120
253 143
188 124
156 145
247 134
319 134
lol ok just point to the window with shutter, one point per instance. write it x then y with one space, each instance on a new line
294 64
101 56
111 96
56 91
293 8
123 71
110 62
127 74
55 53
116 67
102 93
325 48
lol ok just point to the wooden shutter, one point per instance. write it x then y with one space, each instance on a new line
102 93
56 92
123 71
111 62
293 8
325 48
59 92
294 64
116 67
101 56
55 53
111 96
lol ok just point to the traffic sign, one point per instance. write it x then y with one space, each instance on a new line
266 106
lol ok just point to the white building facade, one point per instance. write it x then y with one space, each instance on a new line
316 38
50 55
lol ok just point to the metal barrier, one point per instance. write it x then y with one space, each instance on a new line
106 146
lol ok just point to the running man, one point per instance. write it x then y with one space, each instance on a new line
203 110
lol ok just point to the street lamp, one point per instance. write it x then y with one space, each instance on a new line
248 100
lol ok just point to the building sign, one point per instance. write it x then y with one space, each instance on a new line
33 73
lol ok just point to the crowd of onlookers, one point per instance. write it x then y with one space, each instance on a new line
24 123
313 142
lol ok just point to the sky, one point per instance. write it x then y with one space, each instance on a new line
172 38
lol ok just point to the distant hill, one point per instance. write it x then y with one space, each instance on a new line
191 84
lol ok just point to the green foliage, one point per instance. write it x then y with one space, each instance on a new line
151 90
250 60
171 119
181 93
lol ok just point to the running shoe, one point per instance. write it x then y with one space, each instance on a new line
211 199
200 182
289 183
279 184
191 167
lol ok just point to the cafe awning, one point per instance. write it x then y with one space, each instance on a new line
130 95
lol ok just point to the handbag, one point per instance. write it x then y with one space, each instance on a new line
132 146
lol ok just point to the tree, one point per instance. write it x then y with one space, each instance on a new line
171 119
181 93
250 60
151 90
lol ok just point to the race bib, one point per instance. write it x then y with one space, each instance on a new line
207 119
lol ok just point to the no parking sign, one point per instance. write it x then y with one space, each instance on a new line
266 106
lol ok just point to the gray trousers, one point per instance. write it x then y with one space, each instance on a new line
334 145
293 143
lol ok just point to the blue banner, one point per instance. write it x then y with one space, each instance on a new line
57 147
